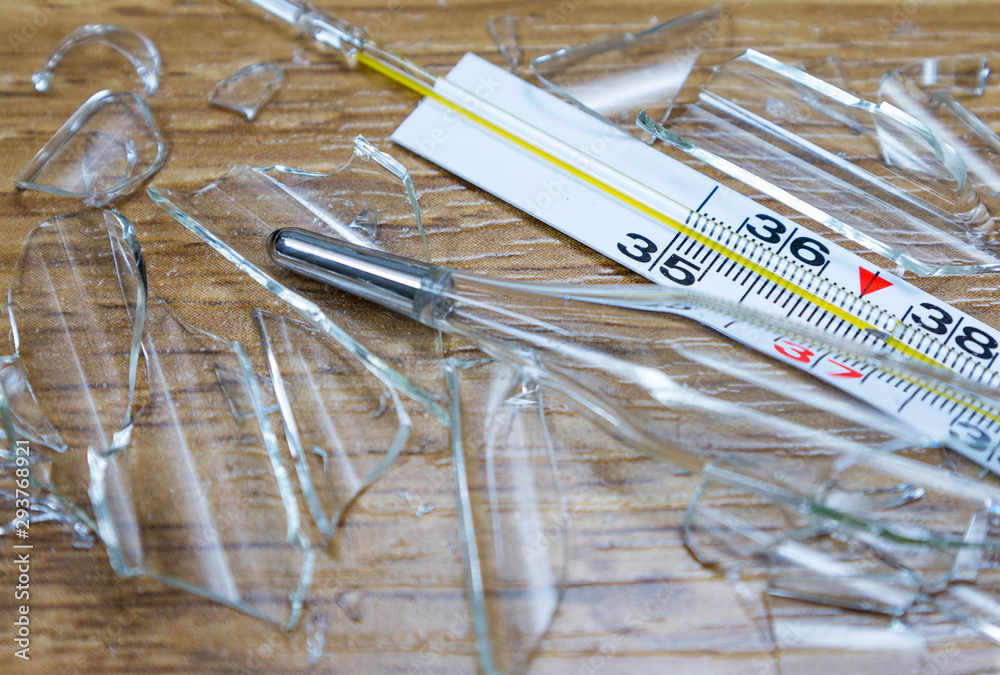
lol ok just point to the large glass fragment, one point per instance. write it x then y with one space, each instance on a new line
369 199
69 355
615 76
696 398
871 173
181 488
512 523
761 545
753 540
248 89
199 498
137 49
335 415
799 561
105 150
74 345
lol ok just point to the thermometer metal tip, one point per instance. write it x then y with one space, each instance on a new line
389 280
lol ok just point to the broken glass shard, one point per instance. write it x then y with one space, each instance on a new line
969 561
235 391
41 506
751 540
840 572
134 46
854 488
823 151
722 535
616 76
328 403
953 123
105 150
350 602
367 220
511 517
27 417
229 490
315 636
108 161
972 606
248 89
195 496
962 75
503 30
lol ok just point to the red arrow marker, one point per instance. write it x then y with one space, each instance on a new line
871 281
847 370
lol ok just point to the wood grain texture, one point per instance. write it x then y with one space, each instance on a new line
636 600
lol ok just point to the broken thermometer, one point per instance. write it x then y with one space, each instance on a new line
718 242
510 319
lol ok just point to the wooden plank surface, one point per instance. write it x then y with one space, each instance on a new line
389 596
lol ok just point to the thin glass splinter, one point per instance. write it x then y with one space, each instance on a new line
105 150
134 46
327 401
503 30
615 76
511 515
248 89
